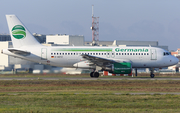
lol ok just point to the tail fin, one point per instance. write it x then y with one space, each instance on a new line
20 35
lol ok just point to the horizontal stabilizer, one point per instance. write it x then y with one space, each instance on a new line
19 52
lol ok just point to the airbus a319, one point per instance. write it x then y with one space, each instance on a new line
116 60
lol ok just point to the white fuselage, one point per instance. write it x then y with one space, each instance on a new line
68 56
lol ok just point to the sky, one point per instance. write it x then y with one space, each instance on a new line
129 20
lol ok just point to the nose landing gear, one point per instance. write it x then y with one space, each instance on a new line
152 71
152 75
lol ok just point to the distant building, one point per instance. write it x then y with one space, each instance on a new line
69 40
40 37
5 37
176 53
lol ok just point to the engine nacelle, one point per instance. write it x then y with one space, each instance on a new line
119 68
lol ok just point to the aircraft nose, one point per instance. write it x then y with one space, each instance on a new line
174 60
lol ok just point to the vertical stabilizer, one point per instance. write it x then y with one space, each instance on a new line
20 35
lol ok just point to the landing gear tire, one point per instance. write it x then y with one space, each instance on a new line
92 74
152 71
152 75
96 74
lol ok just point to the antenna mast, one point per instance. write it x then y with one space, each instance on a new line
95 29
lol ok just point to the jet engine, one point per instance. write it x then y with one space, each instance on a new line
119 68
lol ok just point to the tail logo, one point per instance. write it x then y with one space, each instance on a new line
18 32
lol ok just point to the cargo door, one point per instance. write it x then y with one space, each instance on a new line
153 54
43 54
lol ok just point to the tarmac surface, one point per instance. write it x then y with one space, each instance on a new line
83 78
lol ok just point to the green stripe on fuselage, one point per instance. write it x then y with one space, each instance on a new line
83 49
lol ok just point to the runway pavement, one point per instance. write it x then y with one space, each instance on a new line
83 78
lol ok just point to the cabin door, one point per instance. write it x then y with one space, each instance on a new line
153 54
43 54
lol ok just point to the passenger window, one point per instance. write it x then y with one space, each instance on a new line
108 53
136 54
133 53
62 53
144 53
99 53
68 53
147 53
96 53
127 53
74 53
104 53
54 53
119 53
65 53
112 53
59 53
116 53
51 53
141 53
93 53
124 53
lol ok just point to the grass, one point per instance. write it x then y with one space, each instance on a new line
33 96
88 103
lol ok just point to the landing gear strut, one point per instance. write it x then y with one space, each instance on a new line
94 74
152 71
136 72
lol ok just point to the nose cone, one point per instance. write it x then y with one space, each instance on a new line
174 60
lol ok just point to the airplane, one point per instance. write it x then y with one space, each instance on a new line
116 60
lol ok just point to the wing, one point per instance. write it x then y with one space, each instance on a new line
99 61
19 52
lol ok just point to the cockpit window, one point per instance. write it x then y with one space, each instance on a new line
166 53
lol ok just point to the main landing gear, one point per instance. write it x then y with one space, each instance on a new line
152 71
94 74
